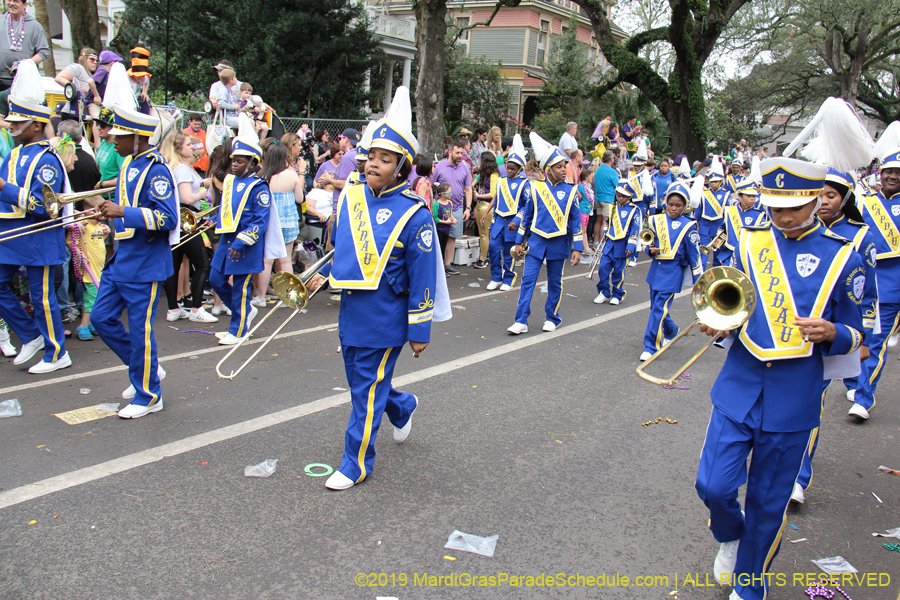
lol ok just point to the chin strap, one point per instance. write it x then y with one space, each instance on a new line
21 129
804 224
396 171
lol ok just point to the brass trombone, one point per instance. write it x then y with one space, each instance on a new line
723 299
53 203
517 258
595 258
293 293
647 236
190 224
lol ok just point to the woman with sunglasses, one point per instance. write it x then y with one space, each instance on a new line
80 74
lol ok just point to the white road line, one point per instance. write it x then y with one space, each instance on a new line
217 348
131 461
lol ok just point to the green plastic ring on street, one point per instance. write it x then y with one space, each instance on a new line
308 469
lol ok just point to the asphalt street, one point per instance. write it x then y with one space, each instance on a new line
537 439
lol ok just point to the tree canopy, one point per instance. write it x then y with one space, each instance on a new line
304 57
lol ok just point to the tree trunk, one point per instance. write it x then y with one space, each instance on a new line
84 20
40 14
430 31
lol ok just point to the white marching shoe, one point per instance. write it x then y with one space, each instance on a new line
851 395
6 346
48 367
339 481
646 355
505 287
253 312
230 340
518 328
201 316
493 285
798 494
221 310
135 411
615 301
130 392
734 595
725 560
600 299
29 350
549 326
401 433
857 410
893 340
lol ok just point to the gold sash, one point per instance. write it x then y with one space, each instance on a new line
619 229
884 224
762 259
714 203
124 199
667 247
508 205
559 217
228 219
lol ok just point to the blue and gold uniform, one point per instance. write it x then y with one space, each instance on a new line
242 222
552 217
767 397
26 170
510 199
619 244
733 182
736 217
386 264
142 261
678 243
882 215
710 215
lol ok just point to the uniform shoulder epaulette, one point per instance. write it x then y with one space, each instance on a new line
413 196
830 234
857 223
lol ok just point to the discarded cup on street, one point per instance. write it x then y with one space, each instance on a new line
108 407
263 469
835 564
84 391
10 408
472 543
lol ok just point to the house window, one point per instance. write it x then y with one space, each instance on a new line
463 22
542 42
593 54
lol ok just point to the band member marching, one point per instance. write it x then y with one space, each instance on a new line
881 212
619 244
32 164
711 212
386 263
362 156
674 251
243 220
767 397
146 221
840 214
510 200
551 215
735 176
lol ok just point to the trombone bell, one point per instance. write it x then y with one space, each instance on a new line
647 236
723 299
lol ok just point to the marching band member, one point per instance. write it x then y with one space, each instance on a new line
551 215
767 397
881 212
674 250
843 218
243 221
747 212
684 169
145 218
620 243
711 212
386 263
735 176
642 181
32 164
510 200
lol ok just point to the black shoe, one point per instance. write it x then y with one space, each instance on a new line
449 270
480 264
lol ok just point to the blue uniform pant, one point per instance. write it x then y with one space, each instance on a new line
136 346
554 288
770 481
501 261
873 366
806 470
708 230
660 325
46 322
236 297
612 270
369 374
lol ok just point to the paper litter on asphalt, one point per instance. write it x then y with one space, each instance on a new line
890 533
472 543
835 564
83 415
10 408
263 469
